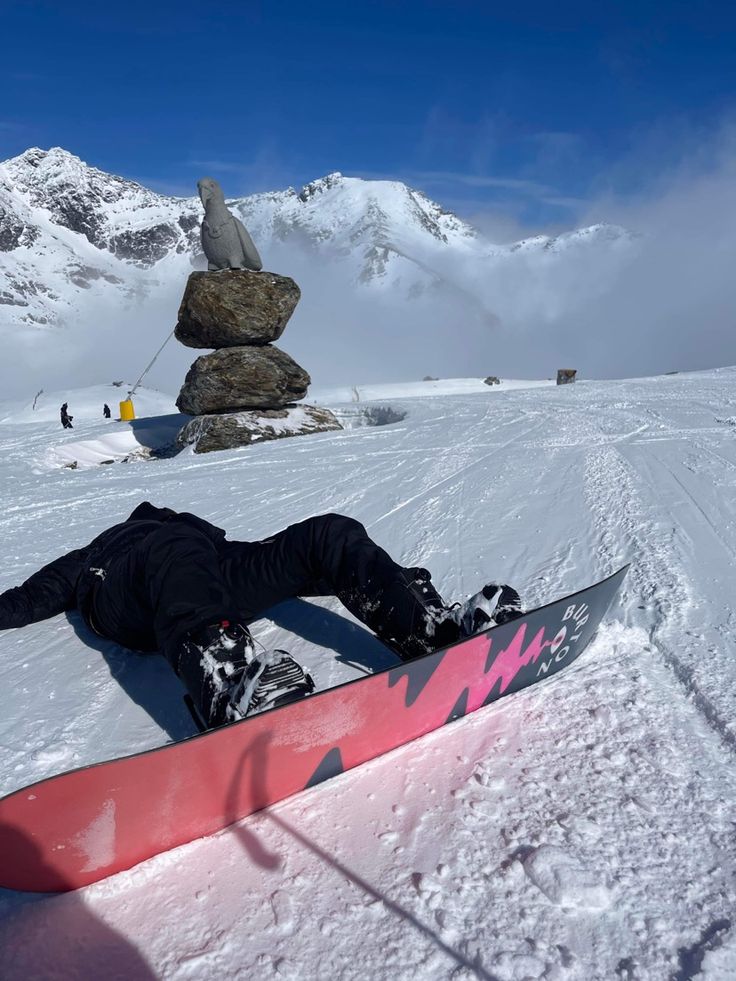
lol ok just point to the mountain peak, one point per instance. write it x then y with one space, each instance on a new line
44 175
320 185
35 155
54 159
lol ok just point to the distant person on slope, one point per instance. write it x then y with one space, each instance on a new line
168 582
66 419
106 410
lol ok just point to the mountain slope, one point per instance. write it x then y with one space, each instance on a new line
69 231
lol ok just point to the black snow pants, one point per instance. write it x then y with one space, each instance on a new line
178 580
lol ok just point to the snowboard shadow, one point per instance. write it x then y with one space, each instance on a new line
253 769
45 935
145 678
351 642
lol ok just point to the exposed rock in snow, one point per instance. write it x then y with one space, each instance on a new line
113 214
226 431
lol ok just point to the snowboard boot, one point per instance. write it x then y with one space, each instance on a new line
211 661
493 605
411 617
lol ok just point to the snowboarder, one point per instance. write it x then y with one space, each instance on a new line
66 419
170 582
106 410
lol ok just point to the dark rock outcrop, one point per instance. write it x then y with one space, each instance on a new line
145 246
566 375
235 307
11 230
226 431
242 378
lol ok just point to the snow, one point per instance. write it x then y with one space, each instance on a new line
582 829
435 386
155 429
85 405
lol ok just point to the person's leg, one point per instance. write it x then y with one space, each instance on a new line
333 555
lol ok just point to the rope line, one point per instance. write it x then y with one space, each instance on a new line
150 365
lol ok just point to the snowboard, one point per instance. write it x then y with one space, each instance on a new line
78 827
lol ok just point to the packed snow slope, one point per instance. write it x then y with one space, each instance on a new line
582 829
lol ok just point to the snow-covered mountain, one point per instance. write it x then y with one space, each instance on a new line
71 234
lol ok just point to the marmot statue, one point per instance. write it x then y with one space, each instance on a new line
225 241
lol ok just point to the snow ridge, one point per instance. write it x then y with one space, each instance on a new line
70 233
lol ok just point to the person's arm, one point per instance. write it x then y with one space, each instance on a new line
49 591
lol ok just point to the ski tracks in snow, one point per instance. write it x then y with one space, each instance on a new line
670 597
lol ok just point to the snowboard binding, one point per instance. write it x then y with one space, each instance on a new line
272 678
493 605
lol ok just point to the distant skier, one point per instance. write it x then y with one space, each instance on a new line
66 419
106 410
168 582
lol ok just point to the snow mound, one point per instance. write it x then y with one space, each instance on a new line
126 442
564 880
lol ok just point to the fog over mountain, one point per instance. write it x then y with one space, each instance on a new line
92 268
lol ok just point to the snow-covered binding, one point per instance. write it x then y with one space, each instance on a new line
271 679
491 606
225 641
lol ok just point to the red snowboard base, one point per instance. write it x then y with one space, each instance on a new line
80 826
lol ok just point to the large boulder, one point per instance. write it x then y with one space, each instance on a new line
234 307
242 378
232 429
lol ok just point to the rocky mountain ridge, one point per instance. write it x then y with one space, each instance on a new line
73 238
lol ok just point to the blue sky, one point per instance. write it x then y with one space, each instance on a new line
526 110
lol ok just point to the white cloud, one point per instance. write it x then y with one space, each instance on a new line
675 307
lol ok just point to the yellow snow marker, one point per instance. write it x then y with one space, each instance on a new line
127 410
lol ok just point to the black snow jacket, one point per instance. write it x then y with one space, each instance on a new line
67 582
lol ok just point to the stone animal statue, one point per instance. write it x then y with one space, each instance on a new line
225 241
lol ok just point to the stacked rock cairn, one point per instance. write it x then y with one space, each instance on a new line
245 390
